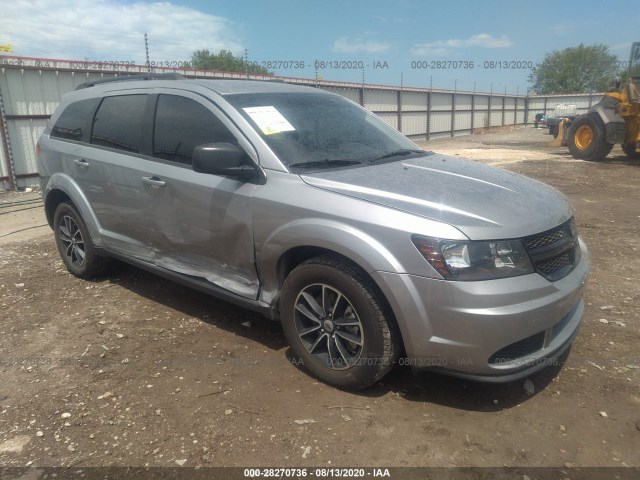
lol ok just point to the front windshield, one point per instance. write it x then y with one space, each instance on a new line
319 129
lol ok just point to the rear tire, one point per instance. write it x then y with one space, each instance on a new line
74 243
337 324
587 138
631 150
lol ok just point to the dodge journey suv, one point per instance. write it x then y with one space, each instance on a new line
303 206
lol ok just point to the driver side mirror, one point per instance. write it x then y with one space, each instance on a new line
222 159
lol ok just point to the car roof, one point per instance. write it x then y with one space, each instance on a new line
220 86
226 87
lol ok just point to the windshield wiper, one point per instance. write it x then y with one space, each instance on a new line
324 163
397 153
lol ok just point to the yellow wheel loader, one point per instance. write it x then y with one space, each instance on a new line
614 119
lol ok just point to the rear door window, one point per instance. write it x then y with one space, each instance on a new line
118 123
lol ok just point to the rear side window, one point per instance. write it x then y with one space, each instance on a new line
74 120
118 123
181 124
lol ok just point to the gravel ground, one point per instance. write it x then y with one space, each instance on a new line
134 370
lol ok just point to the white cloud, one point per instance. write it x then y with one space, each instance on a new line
355 45
111 30
444 47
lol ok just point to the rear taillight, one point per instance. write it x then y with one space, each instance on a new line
37 150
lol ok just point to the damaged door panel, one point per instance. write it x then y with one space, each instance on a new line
201 225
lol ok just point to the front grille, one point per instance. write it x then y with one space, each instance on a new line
555 264
546 238
518 349
554 252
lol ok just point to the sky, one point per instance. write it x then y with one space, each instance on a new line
482 45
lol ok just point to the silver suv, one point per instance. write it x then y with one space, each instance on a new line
305 207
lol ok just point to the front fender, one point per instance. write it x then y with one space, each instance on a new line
64 183
344 239
607 109
614 124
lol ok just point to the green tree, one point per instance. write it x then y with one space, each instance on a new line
225 61
633 69
578 69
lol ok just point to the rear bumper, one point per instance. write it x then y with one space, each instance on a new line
491 331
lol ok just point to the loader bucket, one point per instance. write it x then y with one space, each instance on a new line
561 139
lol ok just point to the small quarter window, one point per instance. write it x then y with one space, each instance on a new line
74 120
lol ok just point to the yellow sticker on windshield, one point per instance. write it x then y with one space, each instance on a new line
269 120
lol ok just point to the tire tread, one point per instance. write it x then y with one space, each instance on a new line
384 318
95 264
599 148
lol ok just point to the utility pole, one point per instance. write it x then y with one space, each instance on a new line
362 90
146 49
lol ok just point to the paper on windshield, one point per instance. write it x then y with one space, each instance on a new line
269 120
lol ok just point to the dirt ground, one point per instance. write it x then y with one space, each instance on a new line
134 370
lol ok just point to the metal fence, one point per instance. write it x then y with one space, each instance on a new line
31 88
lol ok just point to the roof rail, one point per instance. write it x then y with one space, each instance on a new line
127 78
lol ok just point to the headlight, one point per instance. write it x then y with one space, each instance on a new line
471 260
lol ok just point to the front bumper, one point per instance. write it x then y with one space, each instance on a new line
491 331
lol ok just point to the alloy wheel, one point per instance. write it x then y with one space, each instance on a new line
72 241
328 326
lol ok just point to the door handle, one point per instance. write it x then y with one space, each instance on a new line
154 181
81 163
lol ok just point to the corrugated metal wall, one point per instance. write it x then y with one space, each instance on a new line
415 101
381 100
414 123
32 88
441 101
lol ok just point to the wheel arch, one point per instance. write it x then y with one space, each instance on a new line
299 240
62 188
281 255
54 198
295 256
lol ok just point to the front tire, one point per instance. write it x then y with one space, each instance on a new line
337 324
74 243
587 138
631 150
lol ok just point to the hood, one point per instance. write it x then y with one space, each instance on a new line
483 202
